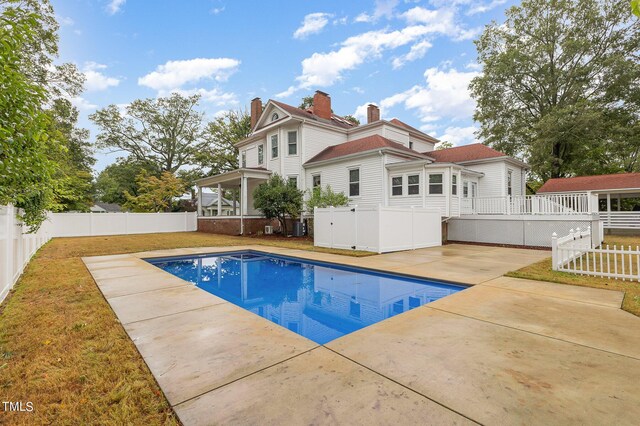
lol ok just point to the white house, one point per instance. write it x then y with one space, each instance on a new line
381 162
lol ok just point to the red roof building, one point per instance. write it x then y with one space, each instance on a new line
592 183
369 143
461 154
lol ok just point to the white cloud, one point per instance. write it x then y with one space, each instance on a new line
383 8
312 23
459 135
417 51
96 80
175 74
441 20
65 21
217 10
114 6
83 104
213 96
445 95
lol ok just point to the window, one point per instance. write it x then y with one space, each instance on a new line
244 159
413 184
293 180
410 144
454 184
275 116
435 183
509 181
396 185
354 182
274 146
292 143
260 154
316 182
465 189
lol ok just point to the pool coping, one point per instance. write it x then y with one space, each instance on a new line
188 405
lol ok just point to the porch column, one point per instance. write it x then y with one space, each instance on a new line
219 200
619 198
200 201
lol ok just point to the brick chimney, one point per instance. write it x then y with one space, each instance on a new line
256 111
322 105
373 113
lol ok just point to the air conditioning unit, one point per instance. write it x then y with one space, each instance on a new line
268 230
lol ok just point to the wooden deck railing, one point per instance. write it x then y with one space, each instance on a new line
557 204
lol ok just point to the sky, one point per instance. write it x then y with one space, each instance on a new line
414 59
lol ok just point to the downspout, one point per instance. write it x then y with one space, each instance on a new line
385 178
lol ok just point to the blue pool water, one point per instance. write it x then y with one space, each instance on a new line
320 301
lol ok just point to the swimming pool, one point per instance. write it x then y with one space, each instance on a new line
320 301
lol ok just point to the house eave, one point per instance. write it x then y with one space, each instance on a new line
505 158
366 153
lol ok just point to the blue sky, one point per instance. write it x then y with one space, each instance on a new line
412 58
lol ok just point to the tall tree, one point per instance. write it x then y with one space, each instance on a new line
220 153
560 86
278 199
120 178
165 131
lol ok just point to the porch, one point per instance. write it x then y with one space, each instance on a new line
620 209
240 184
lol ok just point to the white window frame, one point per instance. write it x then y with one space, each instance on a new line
313 177
292 177
349 182
401 186
243 159
465 189
509 182
261 154
289 144
271 145
454 184
440 183
413 184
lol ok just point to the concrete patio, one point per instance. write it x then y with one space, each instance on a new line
501 352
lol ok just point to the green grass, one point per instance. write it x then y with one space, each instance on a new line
542 271
63 349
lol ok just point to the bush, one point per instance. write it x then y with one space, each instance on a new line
277 199
322 198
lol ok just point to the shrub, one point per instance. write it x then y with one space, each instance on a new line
277 199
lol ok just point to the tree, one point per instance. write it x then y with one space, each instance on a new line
635 7
307 102
323 198
73 179
155 194
219 153
120 178
277 199
444 145
561 86
352 119
165 131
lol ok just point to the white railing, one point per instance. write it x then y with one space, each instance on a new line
621 220
574 253
562 204
16 247
90 224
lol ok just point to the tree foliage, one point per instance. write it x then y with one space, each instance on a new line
278 199
164 131
444 145
219 153
306 102
155 194
561 86
352 119
323 198
120 178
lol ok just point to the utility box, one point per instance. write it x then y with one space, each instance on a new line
298 229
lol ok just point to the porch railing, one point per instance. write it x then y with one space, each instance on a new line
621 220
561 204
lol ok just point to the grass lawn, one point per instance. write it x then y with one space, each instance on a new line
63 349
542 271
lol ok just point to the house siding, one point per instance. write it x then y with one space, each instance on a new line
316 139
337 176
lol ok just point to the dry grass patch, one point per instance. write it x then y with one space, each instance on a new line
62 348
542 271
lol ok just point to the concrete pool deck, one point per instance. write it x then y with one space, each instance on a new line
504 351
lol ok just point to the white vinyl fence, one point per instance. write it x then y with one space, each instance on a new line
574 253
90 224
16 247
378 229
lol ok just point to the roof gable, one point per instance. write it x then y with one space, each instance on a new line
592 183
265 118
365 144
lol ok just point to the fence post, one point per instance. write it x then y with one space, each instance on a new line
554 251
126 223
331 208
379 222
9 246
355 227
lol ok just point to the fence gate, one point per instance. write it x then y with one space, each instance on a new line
338 227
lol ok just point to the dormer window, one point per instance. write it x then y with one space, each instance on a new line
274 116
